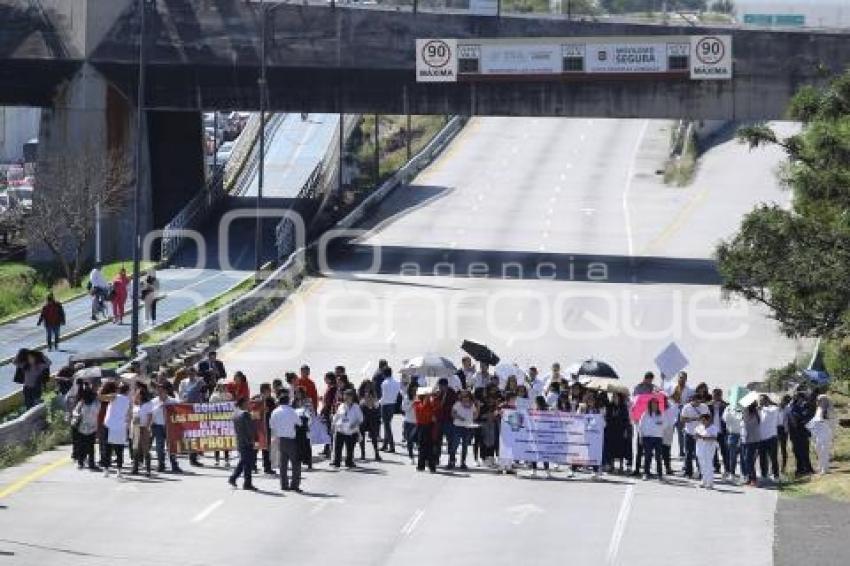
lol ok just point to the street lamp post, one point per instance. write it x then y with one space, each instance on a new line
137 197
258 239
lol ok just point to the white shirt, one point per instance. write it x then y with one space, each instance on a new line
651 425
463 416
282 422
733 421
687 392
407 409
769 421
480 381
143 412
116 412
690 412
671 417
703 430
347 419
158 406
552 399
390 388
536 388
97 279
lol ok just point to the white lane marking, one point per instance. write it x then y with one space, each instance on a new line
629 176
519 513
391 337
411 523
206 512
620 527
510 341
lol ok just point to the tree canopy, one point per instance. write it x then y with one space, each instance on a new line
797 261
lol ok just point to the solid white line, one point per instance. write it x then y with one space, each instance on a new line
207 511
411 523
629 176
620 527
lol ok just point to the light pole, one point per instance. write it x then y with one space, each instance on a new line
137 197
261 83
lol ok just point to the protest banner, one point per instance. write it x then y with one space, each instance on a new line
551 436
204 427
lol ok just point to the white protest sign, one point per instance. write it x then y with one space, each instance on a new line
551 436
711 57
436 60
671 361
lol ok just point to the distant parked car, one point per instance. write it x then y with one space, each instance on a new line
224 151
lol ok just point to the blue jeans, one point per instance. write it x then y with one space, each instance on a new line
733 449
52 336
387 412
409 431
159 438
460 437
748 463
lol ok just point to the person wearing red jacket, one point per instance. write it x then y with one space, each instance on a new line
120 285
426 408
53 317
309 385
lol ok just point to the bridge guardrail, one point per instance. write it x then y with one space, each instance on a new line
283 281
23 428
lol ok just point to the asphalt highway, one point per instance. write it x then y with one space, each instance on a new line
550 240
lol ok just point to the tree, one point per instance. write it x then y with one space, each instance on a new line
68 189
797 261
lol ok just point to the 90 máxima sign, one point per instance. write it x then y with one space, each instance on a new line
436 60
711 57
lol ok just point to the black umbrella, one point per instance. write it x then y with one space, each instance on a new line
96 357
597 368
480 352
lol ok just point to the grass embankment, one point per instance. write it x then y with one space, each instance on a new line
680 169
57 432
392 145
835 484
190 317
24 287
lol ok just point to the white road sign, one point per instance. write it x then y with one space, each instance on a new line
521 59
436 60
711 57
626 58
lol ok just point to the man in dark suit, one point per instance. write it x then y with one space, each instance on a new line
244 426
212 369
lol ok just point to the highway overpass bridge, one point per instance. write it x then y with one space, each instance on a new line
79 59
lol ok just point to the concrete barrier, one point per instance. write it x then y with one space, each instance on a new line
25 427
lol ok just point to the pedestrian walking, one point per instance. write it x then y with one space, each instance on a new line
800 414
308 384
118 295
768 450
750 441
651 429
306 415
426 408
149 293
822 427
32 370
98 288
158 429
84 420
671 420
691 417
733 420
140 430
221 395
371 424
117 422
244 427
346 420
52 316
409 425
283 423
706 446
464 414
389 391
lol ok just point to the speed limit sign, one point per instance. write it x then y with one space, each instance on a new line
711 57
436 60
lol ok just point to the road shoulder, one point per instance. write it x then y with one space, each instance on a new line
811 530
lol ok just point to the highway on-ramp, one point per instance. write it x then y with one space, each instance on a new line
551 240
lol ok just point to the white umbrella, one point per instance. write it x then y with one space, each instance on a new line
429 365
506 369
573 369
748 399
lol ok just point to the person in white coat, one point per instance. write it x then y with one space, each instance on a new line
706 446
822 428
671 421
117 423
346 424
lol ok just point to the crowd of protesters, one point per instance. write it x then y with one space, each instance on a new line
455 422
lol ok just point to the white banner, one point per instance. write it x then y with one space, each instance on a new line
521 59
626 58
551 436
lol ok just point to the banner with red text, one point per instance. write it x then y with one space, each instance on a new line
208 427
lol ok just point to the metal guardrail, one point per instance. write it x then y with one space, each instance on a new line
195 211
252 159
25 427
